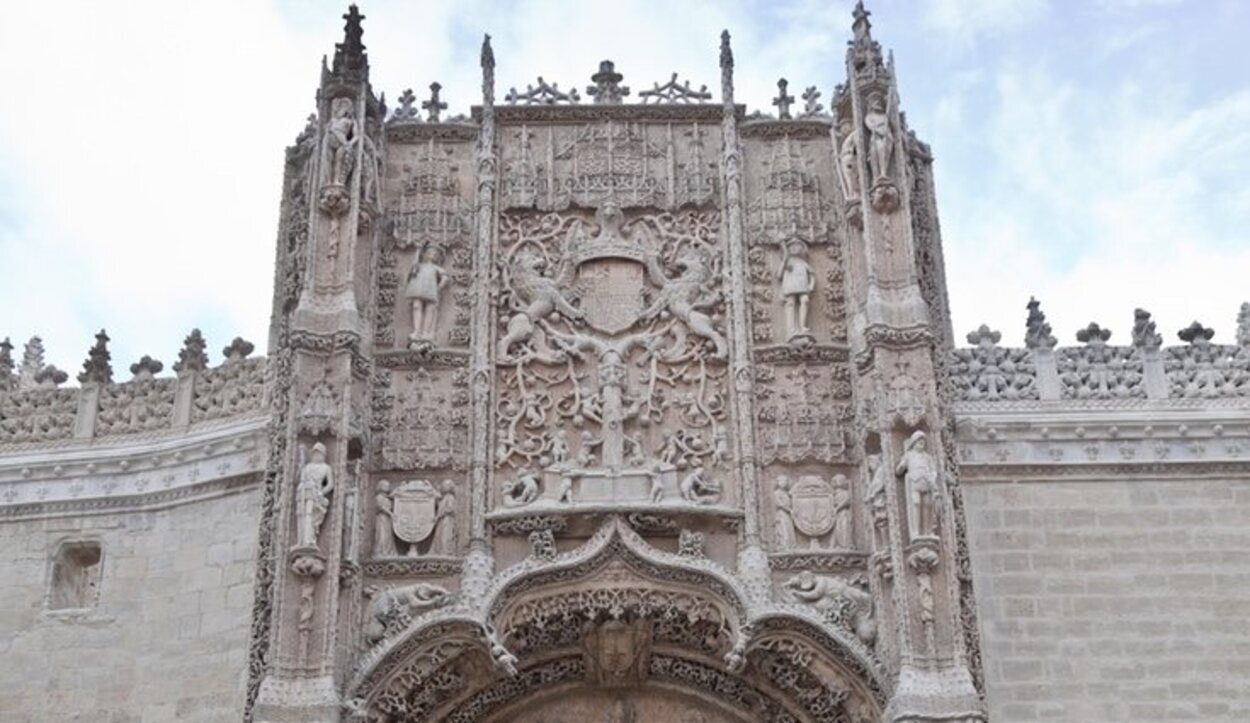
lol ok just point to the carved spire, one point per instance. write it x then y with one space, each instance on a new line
32 364
238 349
192 358
864 51
7 381
726 69
488 73
1037 333
607 88
784 100
1144 334
146 368
97 368
861 27
349 55
1243 324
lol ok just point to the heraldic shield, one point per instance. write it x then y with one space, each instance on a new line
416 505
813 506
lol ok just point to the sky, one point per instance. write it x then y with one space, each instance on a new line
1091 153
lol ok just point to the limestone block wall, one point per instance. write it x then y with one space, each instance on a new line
1120 599
167 638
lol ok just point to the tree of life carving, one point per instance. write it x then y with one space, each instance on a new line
610 334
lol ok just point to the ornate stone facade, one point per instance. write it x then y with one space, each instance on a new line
612 407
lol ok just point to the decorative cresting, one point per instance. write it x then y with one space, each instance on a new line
617 615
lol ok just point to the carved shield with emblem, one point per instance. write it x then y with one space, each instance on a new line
813 506
415 507
611 292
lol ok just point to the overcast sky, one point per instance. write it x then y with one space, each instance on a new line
1094 153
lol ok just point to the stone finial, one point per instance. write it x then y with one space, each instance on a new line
1196 333
811 102
783 101
50 376
607 88
1243 324
6 365
32 364
674 92
238 349
434 106
192 358
407 110
350 54
1093 334
861 26
726 52
97 368
1037 333
146 367
984 336
488 54
1144 333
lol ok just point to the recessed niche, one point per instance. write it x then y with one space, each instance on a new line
75 576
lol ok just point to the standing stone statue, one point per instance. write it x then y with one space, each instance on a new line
445 520
784 522
920 476
340 138
841 512
877 478
312 498
384 525
848 160
881 140
426 281
797 283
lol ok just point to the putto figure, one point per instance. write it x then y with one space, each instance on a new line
521 491
312 497
426 281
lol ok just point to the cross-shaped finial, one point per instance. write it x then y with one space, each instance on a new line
811 98
405 111
783 101
433 106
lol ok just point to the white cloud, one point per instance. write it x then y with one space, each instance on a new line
963 21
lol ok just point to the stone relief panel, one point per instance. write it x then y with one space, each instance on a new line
611 359
37 415
426 258
234 388
660 165
137 406
420 418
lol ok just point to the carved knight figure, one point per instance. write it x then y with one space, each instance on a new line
827 594
881 137
521 491
384 525
312 498
875 498
784 521
339 140
920 475
848 161
797 280
445 520
842 530
426 281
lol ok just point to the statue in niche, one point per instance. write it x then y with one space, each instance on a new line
783 526
920 477
877 511
831 595
312 498
797 280
848 160
445 524
684 296
391 608
539 297
426 281
340 139
696 487
881 138
520 491
842 530
384 526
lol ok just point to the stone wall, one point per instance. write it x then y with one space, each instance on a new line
167 638
1114 600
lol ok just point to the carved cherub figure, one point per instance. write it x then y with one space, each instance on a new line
559 447
696 487
684 296
521 491
426 281
537 296
797 280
